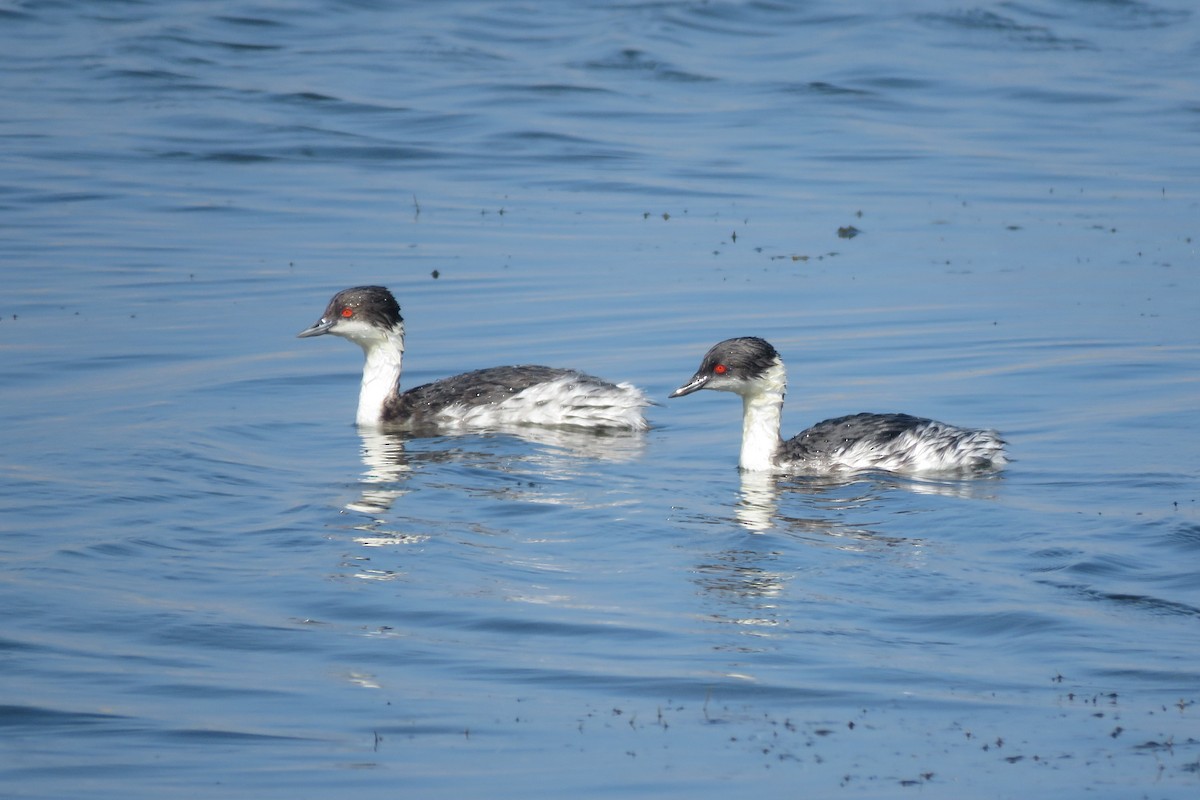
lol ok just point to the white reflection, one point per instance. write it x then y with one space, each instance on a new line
757 508
554 470
747 592
980 487
561 447
560 454
364 679
386 468
758 501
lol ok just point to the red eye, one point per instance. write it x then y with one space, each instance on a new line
720 369
347 312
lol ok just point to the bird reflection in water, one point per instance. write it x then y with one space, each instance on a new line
389 465
392 461
757 507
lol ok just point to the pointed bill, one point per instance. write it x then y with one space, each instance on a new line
695 384
319 327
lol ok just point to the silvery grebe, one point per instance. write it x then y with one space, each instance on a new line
370 317
752 368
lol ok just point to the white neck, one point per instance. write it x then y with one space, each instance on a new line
762 412
381 374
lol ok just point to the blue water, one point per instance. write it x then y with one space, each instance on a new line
214 586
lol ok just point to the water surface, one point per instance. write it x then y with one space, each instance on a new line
215 585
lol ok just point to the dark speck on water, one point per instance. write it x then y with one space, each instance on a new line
215 586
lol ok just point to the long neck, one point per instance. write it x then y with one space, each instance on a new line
762 412
381 375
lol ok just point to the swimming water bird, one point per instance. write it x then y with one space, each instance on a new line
370 317
752 368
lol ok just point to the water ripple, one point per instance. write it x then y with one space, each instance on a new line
208 564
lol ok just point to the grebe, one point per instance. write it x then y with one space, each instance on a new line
370 317
752 368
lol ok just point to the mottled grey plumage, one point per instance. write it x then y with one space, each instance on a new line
895 442
836 434
423 404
